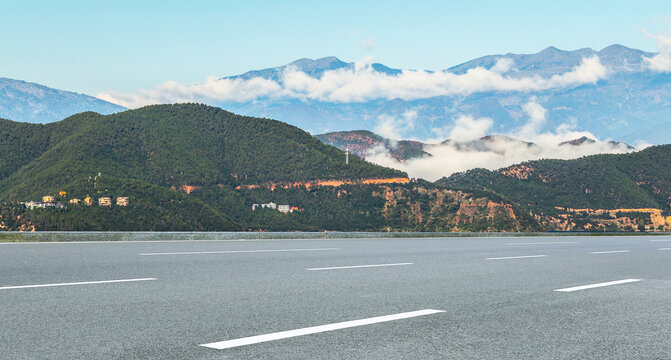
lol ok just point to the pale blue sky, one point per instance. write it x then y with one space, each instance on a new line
128 45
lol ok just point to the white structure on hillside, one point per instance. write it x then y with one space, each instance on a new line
32 205
41 205
270 205
284 208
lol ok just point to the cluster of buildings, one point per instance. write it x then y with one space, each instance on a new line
41 205
281 208
50 201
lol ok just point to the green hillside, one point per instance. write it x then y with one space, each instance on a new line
635 180
149 154
167 145
151 207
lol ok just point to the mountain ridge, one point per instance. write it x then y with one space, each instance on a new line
605 181
365 143
182 167
618 107
34 103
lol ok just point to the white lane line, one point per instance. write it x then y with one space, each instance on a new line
316 329
516 257
543 243
583 287
75 283
664 249
665 240
357 266
235 251
610 252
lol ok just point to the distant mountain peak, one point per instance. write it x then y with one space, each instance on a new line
577 142
25 101
616 47
551 50
307 64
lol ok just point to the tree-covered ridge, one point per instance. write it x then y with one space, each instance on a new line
149 154
359 207
21 143
167 145
635 180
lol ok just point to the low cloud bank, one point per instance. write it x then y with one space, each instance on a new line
463 154
359 84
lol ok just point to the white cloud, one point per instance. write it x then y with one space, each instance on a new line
500 151
502 65
395 128
536 115
467 128
361 83
660 62
211 90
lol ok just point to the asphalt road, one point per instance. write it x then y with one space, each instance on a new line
495 298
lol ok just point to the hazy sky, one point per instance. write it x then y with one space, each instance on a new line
127 45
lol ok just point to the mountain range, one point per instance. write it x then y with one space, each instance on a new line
616 98
198 167
194 167
34 103
366 144
627 103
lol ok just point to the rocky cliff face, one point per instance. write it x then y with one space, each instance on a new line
430 209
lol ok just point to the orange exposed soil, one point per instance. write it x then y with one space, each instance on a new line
188 188
332 183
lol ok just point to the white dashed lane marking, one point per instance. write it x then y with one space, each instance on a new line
235 251
357 266
74 283
591 286
516 257
316 329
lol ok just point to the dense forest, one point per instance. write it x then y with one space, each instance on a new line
150 154
167 145
181 167
395 207
635 180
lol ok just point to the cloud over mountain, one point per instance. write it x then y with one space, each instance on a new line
362 83
464 151
614 93
660 62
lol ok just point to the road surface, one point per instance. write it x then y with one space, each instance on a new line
430 298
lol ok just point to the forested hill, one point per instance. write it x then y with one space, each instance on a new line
635 180
167 145
178 167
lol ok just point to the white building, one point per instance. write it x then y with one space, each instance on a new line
33 205
270 205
